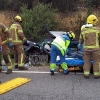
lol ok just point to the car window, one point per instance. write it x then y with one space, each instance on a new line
44 41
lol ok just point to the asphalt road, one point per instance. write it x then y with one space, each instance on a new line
43 86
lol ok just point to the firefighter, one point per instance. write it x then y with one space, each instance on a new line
6 43
18 38
58 48
90 35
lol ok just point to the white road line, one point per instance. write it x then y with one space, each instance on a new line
37 72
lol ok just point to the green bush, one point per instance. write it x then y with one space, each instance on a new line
35 18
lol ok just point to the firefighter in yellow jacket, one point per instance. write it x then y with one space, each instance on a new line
18 38
6 43
90 37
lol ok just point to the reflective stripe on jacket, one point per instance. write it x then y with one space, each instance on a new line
90 36
17 34
61 44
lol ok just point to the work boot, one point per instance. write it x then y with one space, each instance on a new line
16 66
23 68
52 72
9 71
66 72
96 77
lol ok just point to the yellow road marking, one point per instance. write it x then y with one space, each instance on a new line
9 85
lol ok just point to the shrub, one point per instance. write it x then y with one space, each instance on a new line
35 18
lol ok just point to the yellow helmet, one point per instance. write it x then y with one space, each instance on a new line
71 35
92 19
18 18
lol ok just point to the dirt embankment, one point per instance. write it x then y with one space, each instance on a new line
68 21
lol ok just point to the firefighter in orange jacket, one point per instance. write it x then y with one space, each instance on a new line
90 37
18 38
6 41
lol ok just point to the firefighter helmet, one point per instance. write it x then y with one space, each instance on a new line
92 19
18 18
71 35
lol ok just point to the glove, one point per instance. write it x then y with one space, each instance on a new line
82 48
0 48
67 50
79 46
24 42
10 44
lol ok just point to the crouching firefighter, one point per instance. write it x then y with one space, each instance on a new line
58 48
6 43
18 38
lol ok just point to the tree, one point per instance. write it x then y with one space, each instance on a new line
35 18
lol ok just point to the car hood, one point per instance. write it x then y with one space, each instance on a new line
57 33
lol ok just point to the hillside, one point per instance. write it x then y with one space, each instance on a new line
68 21
74 20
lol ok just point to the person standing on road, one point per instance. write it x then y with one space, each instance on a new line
6 43
18 40
58 48
90 37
